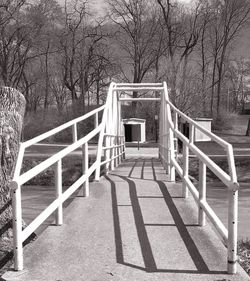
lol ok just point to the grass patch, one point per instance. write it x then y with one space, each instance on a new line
244 254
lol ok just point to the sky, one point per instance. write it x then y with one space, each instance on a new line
100 5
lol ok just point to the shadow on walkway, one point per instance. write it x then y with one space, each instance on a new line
144 241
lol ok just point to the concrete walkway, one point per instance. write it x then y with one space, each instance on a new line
134 227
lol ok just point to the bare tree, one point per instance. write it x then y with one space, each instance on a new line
182 30
138 25
229 17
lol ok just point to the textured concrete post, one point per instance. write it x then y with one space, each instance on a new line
12 108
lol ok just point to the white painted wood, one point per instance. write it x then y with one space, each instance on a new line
103 128
17 225
85 167
217 223
171 135
191 133
206 132
223 176
232 231
119 85
59 155
74 132
145 88
139 99
202 192
185 159
96 120
60 128
54 205
111 133
58 185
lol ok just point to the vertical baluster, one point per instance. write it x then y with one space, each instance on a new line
118 149
74 132
58 191
106 153
96 120
170 144
202 192
185 170
85 167
232 231
191 133
112 153
176 128
124 148
166 141
17 225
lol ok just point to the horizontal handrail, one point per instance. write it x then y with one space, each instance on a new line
198 126
232 178
221 174
169 133
54 158
114 146
56 161
112 158
62 127
54 205
113 135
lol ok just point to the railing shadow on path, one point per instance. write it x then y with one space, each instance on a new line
144 241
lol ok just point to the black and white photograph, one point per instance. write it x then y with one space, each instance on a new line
124 140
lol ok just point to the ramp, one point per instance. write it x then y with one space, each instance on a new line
135 225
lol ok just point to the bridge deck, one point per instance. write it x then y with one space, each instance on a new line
134 226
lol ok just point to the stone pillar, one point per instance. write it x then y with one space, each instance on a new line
12 109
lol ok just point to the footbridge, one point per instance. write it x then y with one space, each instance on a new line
136 218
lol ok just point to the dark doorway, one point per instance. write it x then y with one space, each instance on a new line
128 132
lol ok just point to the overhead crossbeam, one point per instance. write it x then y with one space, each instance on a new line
139 85
132 89
139 99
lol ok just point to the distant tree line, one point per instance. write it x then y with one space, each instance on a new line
63 54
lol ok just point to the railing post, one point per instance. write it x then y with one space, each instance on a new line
74 132
176 128
185 156
106 153
166 147
118 150
115 152
112 153
96 120
191 133
232 231
58 185
124 147
202 192
85 167
17 225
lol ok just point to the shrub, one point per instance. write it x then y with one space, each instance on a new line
41 122
223 122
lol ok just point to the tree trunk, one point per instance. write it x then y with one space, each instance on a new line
248 129
12 109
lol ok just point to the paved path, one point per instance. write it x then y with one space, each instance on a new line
133 227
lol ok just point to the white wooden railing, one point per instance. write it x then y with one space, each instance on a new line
169 134
109 131
111 143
